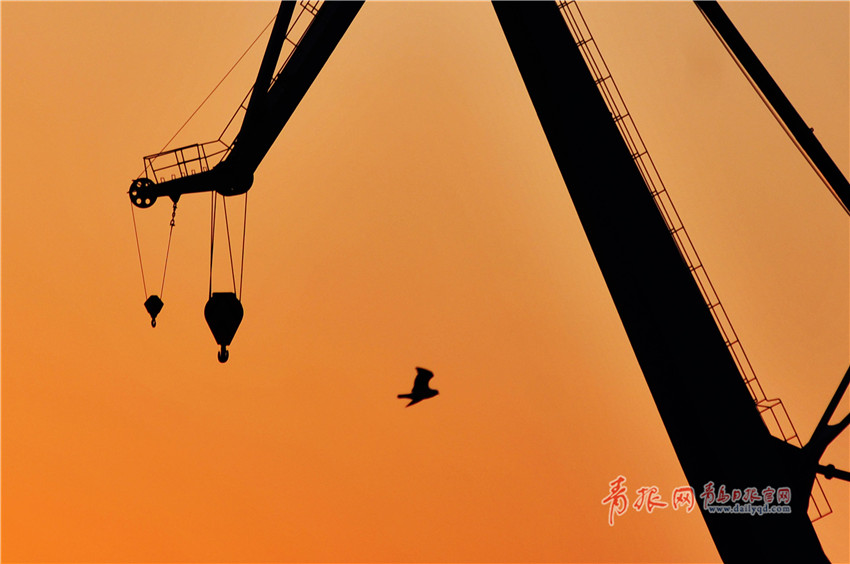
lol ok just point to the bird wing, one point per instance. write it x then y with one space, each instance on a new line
423 376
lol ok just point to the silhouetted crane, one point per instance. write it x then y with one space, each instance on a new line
690 366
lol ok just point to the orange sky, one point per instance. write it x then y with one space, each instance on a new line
411 214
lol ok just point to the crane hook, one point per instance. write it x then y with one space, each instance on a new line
223 313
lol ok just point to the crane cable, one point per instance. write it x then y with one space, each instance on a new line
229 244
168 249
213 212
204 101
139 249
213 203
244 231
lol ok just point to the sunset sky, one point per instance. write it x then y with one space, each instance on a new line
410 214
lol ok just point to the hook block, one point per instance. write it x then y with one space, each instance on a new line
154 305
223 313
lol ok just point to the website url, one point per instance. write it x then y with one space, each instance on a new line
748 509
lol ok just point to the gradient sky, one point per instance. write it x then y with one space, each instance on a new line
410 214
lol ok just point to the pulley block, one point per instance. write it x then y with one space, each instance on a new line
140 192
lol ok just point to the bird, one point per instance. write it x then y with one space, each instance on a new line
420 390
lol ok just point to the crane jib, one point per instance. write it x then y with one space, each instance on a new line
267 113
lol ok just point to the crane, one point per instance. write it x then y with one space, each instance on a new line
272 101
689 363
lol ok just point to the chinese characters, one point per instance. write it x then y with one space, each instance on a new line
718 500
715 499
648 498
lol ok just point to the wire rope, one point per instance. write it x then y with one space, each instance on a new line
244 230
229 244
212 236
176 133
138 248
167 250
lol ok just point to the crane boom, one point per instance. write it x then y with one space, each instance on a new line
270 106
289 87
711 419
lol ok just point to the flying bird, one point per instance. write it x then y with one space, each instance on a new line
420 390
